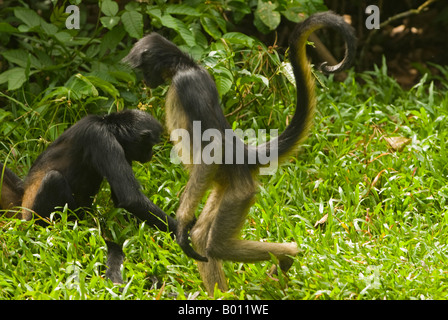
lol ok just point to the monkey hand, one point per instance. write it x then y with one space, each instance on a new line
183 240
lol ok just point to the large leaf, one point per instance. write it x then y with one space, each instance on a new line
15 77
176 24
111 39
109 22
294 14
154 12
211 27
239 38
49 29
28 16
267 14
20 58
81 86
239 9
104 85
109 8
182 9
133 23
223 79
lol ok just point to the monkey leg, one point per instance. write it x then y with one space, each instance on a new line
115 257
53 191
223 242
198 183
211 272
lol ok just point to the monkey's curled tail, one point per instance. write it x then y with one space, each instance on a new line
297 130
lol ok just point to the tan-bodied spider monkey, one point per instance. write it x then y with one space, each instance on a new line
193 96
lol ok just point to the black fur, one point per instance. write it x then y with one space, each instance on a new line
115 259
94 148
70 172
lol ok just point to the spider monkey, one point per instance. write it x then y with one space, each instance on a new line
193 96
72 168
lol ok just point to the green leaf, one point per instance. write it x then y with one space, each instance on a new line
133 23
7 28
267 14
15 77
154 12
262 79
28 16
63 37
81 86
211 27
260 25
123 76
20 57
239 9
4 115
223 85
169 21
44 59
55 92
92 51
187 35
103 85
294 14
223 78
111 39
49 29
109 22
109 8
182 9
239 38
177 25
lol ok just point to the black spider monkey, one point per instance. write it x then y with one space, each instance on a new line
72 168
193 96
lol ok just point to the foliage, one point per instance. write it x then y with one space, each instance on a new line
55 74
365 198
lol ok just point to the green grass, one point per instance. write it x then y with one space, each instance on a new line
384 236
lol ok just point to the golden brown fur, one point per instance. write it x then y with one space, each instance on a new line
11 192
32 188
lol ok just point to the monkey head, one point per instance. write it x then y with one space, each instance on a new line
157 57
137 132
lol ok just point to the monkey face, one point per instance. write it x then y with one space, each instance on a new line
137 132
152 78
156 57
140 149
144 152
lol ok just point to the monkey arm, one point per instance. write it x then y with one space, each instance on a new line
130 197
109 160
